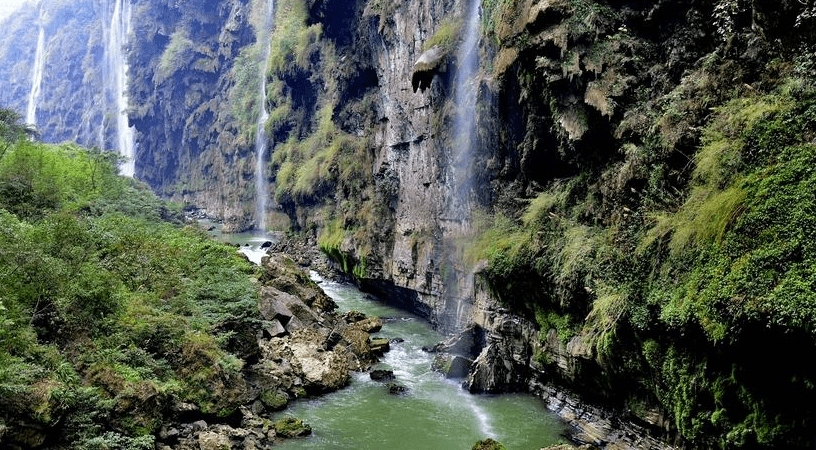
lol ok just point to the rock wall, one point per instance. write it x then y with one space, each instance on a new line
588 104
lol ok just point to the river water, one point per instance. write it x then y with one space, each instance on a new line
250 243
435 413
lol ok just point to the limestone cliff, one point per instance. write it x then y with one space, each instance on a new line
622 232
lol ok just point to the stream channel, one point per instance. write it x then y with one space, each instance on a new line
434 413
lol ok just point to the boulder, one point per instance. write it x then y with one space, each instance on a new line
320 370
290 427
382 375
209 440
369 324
274 400
396 389
273 328
380 345
284 307
452 366
353 316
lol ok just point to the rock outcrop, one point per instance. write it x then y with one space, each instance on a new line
304 349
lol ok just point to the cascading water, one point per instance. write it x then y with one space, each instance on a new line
433 413
115 74
459 202
261 180
465 124
37 74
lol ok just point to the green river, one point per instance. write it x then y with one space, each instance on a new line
435 413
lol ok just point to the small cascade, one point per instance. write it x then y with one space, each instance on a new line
37 74
458 207
261 179
116 82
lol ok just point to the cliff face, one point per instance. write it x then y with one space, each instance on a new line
183 66
596 233
71 105
179 63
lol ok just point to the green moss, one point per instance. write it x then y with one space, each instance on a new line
175 56
488 444
275 400
289 427
446 36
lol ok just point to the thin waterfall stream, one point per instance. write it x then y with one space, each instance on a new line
435 413
459 201
261 179
116 82
37 74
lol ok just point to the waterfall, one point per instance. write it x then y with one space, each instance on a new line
458 205
36 74
116 82
261 180
465 84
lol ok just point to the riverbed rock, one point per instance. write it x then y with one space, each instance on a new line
282 273
396 389
290 427
381 375
452 366
369 324
380 345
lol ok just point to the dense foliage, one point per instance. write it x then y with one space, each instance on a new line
111 311
699 300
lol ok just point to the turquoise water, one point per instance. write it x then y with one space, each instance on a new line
434 414
249 242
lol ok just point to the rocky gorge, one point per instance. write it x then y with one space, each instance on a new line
629 237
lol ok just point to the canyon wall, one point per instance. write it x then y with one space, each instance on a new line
618 156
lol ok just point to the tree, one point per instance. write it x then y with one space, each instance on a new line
12 130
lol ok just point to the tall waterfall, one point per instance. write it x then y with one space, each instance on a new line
36 74
115 73
261 179
458 204
465 84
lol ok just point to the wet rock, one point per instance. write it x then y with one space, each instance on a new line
488 444
274 400
496 370
397 340
382 375
369 324
380 345
290 427
396 389
452 366
266 244
467 343
353 316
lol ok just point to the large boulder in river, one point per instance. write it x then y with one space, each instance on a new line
305 356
